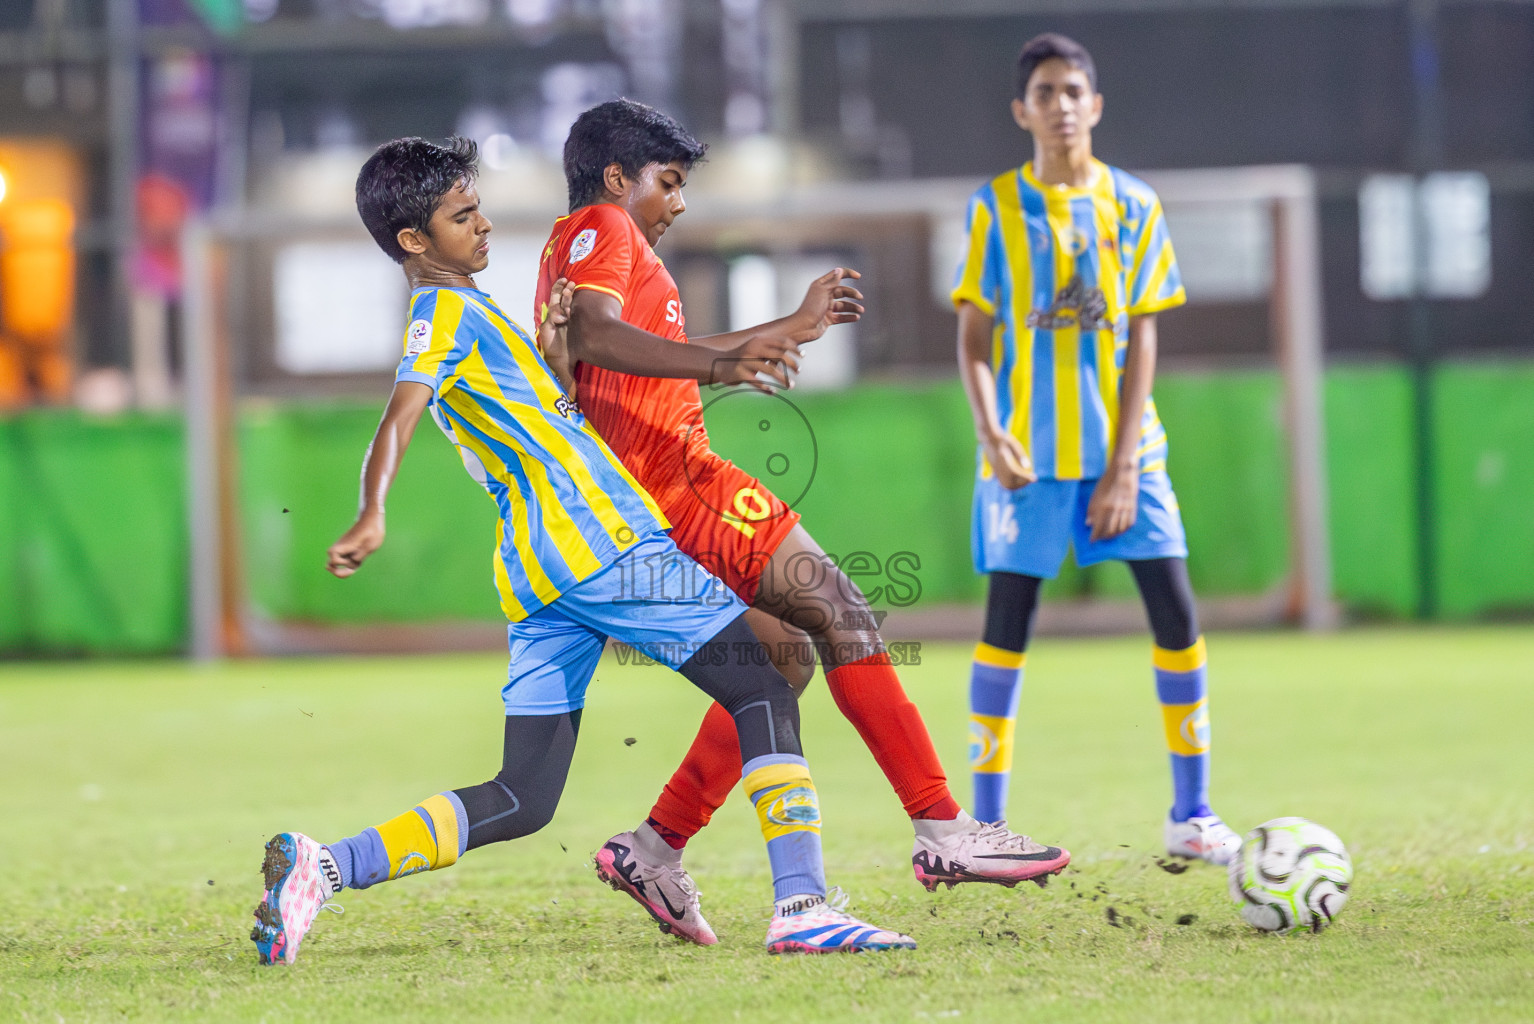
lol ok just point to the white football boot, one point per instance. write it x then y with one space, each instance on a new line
967 850
1202 838
824 926
665 891
300 878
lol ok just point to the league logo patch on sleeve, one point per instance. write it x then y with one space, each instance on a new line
417 337
581 247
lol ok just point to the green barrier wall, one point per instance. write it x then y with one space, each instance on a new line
299 470
92 534
1484 445
1371 480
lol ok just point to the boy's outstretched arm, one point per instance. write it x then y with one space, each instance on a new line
379 468
827 302
598 335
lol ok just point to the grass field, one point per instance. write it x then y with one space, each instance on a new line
138 796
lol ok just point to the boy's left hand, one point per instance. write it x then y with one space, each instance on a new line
553 334
828 301
355 545
1115 502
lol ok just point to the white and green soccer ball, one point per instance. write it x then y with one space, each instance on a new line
1291 873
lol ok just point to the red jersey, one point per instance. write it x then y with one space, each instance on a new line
654 424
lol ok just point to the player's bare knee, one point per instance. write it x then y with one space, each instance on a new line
798 676
795 661
791 651
852 612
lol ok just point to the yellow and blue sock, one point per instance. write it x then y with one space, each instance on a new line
788 810
432 834
995 683
1182 688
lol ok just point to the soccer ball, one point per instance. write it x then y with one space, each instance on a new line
1291 873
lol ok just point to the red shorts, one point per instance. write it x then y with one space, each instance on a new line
731 524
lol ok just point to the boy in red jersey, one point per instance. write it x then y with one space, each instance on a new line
637 375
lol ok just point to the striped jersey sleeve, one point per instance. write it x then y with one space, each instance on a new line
434 343
1151 275
978 278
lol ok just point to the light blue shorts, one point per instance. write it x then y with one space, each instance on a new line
653 598
1029 530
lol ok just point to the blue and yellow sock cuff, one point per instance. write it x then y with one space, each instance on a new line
1180 675
784 795
1182 688
999 657
1187 660
432 834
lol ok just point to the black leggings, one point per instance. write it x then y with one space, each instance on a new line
521 799
1013 601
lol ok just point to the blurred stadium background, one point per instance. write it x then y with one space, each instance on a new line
196 335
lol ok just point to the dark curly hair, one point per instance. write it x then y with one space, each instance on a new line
403 183
626 133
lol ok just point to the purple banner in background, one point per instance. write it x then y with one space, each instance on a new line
180 122
178 159
166 12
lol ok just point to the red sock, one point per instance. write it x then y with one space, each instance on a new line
672 837
869 694
702 783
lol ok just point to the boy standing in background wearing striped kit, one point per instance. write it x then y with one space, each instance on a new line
1068 262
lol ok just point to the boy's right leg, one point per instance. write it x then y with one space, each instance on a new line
703 781
1018 539
703 635
301 875
995 684
552 660
776 778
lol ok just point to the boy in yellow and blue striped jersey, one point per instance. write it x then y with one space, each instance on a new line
1067 264
581 555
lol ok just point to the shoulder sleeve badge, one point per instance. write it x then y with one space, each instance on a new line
417 337
581 247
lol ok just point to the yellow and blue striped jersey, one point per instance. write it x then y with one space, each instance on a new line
1062 270
567 506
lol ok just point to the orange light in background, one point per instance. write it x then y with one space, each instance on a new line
42 184
37 270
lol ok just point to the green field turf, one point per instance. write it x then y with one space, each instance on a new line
138 796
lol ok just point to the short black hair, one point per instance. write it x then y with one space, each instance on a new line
626 133
1046 47
403 183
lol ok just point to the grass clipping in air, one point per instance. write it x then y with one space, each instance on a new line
138 797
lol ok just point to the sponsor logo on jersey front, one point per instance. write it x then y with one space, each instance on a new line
583 244
1074 305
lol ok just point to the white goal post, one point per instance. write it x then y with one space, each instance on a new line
1288 192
